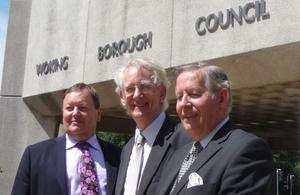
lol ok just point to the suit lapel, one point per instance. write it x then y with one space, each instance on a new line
109 169
158 152
123 166
206 154
202 158
60 167
172 168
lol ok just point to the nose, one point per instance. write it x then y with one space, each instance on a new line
137 92
185 100
76 111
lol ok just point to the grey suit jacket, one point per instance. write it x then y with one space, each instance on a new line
170 137
234 162
42 169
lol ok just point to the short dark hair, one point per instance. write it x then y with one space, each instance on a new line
81 87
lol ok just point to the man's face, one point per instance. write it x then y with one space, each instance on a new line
80 115
196 106
142 99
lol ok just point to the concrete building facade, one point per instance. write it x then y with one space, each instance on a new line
53 44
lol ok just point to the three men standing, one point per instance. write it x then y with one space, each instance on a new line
161 158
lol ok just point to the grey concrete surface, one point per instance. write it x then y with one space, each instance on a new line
65 36
19 127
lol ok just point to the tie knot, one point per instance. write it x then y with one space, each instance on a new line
83 145
196 148
140 140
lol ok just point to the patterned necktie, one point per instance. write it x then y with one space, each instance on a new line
88 176
187 162
134 174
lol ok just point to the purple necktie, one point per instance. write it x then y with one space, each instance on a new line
88 176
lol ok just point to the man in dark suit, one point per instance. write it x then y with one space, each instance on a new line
142 87
222 159
56 166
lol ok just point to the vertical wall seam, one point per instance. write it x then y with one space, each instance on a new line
86 40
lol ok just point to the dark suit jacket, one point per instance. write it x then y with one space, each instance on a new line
170 137
234 162
42 169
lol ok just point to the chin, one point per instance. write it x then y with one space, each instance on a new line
138 113
188 126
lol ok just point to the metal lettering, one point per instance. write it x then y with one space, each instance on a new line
246 8
132 47
139 43
224 25
107 51
212 22
198 25
52 66
212 19
237 17
64 62
122 48
148 40
114 49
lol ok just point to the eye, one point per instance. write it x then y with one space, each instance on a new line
69 108
179 97
195 95
129 89
145 87
83 108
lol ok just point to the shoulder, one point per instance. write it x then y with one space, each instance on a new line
241 136
109 146
111 152
241 141
180 137
46 144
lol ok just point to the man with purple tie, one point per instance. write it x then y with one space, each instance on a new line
75 163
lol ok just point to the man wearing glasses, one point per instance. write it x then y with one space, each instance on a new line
142 87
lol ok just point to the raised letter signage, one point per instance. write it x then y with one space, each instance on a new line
115 49
52 66
212 22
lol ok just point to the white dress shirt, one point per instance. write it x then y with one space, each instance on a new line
150 134
73 155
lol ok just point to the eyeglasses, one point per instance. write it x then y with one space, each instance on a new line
144 88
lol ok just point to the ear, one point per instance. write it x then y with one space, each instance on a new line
224 97
163 93
99 111
122 99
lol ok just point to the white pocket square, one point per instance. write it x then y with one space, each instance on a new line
194 180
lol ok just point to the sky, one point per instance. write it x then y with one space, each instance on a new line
4 8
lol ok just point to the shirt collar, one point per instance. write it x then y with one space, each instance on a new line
207 139
70 142
152 130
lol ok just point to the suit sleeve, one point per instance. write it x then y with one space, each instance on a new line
21 184
250 171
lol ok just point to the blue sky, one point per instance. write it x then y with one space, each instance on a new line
4 8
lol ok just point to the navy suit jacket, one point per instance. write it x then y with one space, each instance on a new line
234 162
42 169
171 136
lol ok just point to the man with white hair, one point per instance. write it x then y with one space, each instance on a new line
142 87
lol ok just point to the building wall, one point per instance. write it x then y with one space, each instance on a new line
88 41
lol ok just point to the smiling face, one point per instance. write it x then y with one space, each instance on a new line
199 110
142 99
80 115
